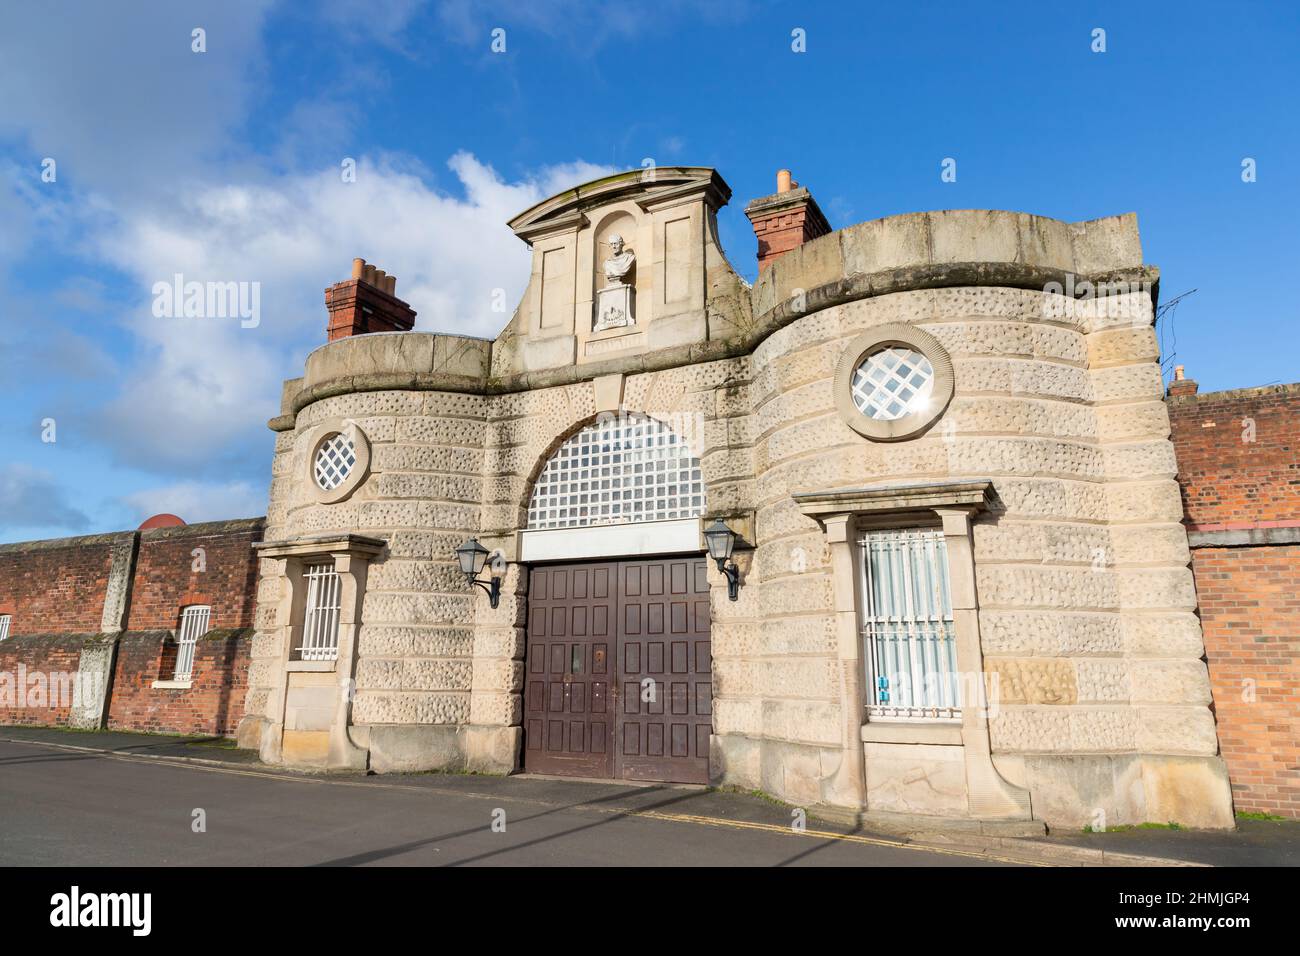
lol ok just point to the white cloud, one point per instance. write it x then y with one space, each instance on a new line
202 388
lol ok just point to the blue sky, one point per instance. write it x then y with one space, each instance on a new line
225 165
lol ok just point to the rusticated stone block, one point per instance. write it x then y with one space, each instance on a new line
1031 681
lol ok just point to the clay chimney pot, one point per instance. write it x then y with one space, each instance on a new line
783 181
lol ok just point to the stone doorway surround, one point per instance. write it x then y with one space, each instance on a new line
309 712
951 505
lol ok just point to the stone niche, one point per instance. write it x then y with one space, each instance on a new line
620 268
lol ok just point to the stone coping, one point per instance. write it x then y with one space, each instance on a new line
232 526
78 541
836 292
1234 394
150 534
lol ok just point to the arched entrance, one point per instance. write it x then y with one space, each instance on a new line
617 678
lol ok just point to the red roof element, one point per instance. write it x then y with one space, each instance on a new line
162 521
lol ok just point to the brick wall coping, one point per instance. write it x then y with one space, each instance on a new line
1235 394
152 534
231 526
67 637
50 544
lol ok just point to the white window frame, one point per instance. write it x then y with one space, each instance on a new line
907 627
195 622
320 621
5 619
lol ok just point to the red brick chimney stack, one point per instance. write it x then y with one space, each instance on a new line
367 302
1181 385
784 220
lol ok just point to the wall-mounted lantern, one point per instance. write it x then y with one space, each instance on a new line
721 540
472 556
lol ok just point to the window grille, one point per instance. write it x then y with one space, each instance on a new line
4 626
893 382
627 469
335 458
320 629
907 626
194 624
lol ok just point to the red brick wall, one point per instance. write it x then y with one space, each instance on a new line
1250 612
1230 482
55 591
166 579
213 704
55 587
26 660
1238 469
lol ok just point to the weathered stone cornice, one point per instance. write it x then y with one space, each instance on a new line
841 291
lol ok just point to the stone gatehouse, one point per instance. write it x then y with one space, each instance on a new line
933 447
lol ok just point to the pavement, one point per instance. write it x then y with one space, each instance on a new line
104 798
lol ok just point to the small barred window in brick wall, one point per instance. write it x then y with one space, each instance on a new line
194 623
4 626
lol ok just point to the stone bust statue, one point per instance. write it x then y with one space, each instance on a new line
618 265
616 303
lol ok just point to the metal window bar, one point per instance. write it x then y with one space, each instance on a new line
194 624
907 626
320 629
4 626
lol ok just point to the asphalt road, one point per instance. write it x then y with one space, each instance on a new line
67 808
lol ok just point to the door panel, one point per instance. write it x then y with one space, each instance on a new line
567 722
618 671
663 731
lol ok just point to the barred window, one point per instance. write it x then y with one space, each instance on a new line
194 624
627 469
907 626
4 626
320 629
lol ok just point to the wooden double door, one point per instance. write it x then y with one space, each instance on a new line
618 678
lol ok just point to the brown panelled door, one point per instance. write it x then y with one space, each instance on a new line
618 673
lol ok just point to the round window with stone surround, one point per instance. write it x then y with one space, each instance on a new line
335 459
339 460
893 382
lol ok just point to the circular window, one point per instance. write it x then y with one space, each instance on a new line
335 459
893 382
338 460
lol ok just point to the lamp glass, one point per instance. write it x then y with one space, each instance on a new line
720 540
472 556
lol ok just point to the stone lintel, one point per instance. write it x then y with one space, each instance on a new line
1243 537
357 545
972 496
